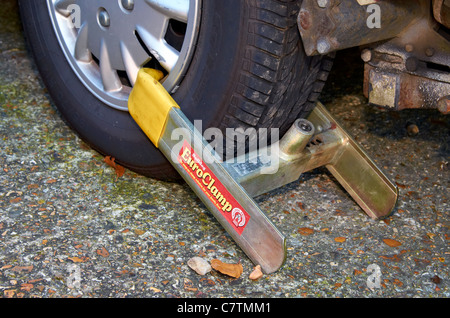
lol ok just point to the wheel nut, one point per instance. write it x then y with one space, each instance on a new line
103 18
366 55
128 4
409 48
429 52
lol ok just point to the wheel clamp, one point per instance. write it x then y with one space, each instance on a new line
227 187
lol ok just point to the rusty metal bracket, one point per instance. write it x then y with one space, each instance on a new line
227 188
411 70
441 12
330 25
406 49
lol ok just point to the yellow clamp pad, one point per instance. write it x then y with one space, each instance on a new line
149 103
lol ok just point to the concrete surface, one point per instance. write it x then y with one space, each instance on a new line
69 227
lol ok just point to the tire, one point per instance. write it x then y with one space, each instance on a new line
248 70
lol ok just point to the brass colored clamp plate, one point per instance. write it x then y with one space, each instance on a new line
331 147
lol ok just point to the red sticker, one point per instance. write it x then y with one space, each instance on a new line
225 203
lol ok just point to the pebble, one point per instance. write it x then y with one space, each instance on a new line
199 265
412 129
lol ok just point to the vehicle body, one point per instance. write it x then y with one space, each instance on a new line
236 64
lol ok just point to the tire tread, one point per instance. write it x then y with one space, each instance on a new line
278 82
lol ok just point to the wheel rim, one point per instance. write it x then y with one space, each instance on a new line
107 41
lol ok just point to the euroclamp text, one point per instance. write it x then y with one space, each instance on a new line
224 307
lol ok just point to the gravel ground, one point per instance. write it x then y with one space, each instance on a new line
70 227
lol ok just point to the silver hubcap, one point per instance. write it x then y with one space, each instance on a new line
107 41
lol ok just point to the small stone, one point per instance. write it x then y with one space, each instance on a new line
256 274
199 265
412 129
233 270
